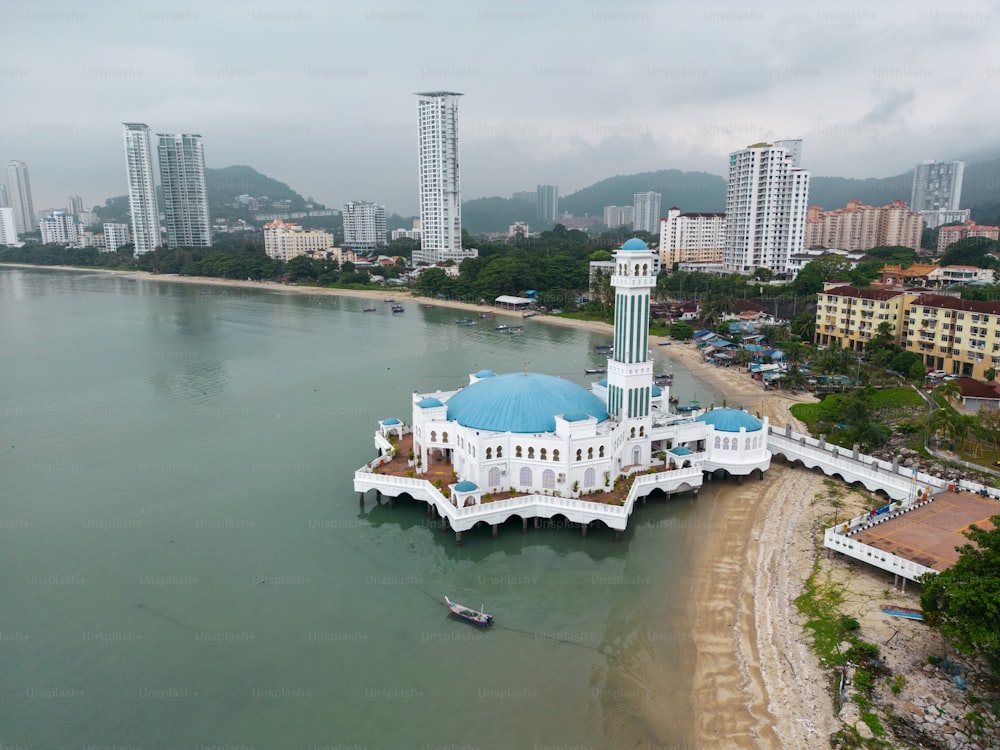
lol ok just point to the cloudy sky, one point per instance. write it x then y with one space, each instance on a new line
320 94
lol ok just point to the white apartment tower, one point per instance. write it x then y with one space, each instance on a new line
8 232
547 203
20 197
115 235
141 188
185 196
646 212
691 237
937 186
61 228
767 200
440 191
364 225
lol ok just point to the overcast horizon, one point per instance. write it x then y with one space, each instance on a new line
322 97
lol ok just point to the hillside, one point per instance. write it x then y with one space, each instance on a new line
485 215
228 183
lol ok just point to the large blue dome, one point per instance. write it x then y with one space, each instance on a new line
731 420
522 402
635 245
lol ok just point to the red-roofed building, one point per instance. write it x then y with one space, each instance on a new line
948 236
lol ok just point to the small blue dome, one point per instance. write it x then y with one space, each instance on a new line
603 381
485 374
429 403
521 402
656 390
635 245
390 420
466 487
731 420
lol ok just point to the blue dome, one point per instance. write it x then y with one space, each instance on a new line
466 487
390 420
635 245
521 402
656 390
603 381
731 420
429 403
485 374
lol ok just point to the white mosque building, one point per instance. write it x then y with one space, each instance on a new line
548 443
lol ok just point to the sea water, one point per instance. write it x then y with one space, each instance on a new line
184 562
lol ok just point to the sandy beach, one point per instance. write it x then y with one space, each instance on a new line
756 684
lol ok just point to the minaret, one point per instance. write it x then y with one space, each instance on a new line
630 368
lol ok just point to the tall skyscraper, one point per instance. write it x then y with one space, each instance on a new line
4 200
547 203
937 186
440 191
141 188
19 187
364 225
74 205
185 196
646 212
767 200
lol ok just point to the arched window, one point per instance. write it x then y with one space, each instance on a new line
718 441
645 269
642 431
495 476
548 479
748 444
725 444
542 454
632 433
517 451
555 455
636 269
601 452
579 453
499 451
525 478
531 452
434 436
489 453
444 437
589 477
590 452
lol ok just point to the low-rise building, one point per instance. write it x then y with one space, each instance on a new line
948 275
285 240
948 236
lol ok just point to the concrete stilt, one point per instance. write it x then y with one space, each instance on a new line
378 496
904 586
496 528
739 480
524 525
583 530
361 499
390 502
536 522
618 536
458 537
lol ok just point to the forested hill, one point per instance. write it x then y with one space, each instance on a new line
228 183
689 191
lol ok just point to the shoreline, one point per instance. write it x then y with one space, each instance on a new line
755 682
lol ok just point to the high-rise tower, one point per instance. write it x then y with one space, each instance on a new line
440 191
364 225
547 203
767 200
20 197
185 196
141 188
646 212
937 186
630 367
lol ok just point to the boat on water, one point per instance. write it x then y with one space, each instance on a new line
663 379
465 322
692 406
529 314
594 370
501 327
369 309
908 612
397 308
487 315
603 346
515 329
475 616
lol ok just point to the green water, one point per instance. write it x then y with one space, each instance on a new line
168 447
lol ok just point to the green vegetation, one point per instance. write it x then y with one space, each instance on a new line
964 600
858 416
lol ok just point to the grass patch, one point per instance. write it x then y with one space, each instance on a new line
873 724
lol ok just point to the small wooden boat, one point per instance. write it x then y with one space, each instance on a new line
603 346
465 322
475 616
501 327
515 329
594 370
487 315
369 309
397 308
908 612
